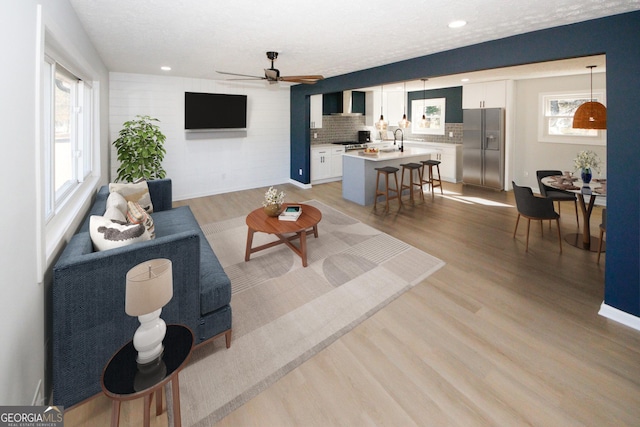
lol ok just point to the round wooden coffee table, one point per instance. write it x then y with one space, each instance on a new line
286 231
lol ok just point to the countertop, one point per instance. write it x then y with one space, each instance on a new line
378 143
388 143
382 156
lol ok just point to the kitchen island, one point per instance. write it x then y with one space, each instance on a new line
359 174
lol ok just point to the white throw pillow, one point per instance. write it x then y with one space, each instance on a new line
117 201
107 234
136 192
114 214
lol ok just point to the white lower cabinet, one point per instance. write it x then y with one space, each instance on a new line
450 157
326 163
336 162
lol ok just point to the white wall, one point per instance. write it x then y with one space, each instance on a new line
201 164
21 297
23 293
529 153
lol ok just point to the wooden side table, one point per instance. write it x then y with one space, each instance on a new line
123 379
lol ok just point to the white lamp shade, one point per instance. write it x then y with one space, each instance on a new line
149 287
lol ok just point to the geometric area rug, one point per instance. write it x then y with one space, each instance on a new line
283 314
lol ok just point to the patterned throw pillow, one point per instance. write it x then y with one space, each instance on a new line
137 215
107 234
136 192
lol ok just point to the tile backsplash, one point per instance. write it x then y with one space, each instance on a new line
336 128
454 128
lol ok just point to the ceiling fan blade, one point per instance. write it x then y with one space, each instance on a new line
240 75
253 79
311 79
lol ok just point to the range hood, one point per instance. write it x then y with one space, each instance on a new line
347 105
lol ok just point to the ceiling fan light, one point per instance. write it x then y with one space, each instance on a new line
590 115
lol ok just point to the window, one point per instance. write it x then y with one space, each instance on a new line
433 110
68 133
556 119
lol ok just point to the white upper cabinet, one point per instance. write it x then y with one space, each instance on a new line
372 107
394 107
485 95
315 121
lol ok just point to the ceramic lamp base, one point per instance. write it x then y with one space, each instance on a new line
148 337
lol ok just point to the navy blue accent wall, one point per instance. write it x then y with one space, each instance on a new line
616 36
453 105
300 143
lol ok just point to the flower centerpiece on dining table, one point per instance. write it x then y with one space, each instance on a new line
273 202
586 162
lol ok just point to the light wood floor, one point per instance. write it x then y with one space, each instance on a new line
497 337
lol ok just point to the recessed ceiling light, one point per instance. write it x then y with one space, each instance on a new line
165 68
464 80
457 24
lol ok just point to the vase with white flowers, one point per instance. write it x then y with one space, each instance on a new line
273 202
586 162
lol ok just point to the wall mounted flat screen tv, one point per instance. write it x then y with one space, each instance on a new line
214 111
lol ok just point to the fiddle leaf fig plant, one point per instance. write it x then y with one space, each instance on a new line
140 148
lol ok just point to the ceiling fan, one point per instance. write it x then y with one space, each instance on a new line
272 75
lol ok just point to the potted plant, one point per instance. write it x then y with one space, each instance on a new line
140 150
272 203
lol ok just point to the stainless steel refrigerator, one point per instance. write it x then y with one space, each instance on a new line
483 147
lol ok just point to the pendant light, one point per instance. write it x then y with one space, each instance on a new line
592 114
381 125
404 123
423 122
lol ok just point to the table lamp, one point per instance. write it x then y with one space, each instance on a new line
149 288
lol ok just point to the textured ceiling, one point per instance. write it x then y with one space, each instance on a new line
331 37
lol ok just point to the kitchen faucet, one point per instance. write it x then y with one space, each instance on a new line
401 138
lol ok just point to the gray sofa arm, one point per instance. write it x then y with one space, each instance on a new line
89 322
160 191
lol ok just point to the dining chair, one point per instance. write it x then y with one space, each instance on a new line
603 229
536 208
555 194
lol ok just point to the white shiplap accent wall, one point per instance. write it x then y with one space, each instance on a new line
202 164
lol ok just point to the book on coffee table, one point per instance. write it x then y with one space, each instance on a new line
291 213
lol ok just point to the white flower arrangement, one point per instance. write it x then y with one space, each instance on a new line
272 197
587 160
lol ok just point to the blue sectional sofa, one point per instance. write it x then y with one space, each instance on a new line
89 322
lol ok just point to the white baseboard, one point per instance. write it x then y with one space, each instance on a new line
300 184
619 316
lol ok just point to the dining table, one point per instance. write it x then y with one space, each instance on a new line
593 189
